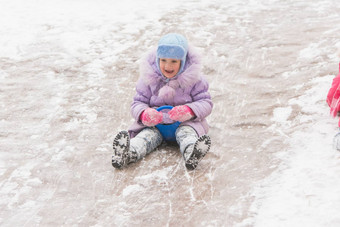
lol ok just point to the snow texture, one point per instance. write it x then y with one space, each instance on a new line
68 70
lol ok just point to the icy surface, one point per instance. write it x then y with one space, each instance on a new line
68 71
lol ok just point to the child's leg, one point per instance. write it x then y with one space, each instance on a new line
185 136
192 147
126 151
145 142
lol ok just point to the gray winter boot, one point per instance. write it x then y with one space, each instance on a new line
121 150
127 151
194 153
192 147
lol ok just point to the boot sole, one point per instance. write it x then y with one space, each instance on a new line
121 145
201 148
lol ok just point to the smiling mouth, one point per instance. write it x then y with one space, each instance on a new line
168 71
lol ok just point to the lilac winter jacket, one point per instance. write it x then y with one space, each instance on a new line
188 88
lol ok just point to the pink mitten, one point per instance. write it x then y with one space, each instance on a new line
151 117
181 113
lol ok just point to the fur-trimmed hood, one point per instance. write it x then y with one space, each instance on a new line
150 74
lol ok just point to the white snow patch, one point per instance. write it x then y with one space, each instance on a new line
305 190
281 114
310 52
131 189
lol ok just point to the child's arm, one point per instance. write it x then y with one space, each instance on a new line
141 100
202 104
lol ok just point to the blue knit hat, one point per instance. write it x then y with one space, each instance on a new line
173 46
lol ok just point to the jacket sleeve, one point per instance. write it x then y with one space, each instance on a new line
202 104
141 100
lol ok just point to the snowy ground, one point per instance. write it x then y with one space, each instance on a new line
68 71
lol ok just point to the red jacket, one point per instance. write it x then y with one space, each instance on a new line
333 96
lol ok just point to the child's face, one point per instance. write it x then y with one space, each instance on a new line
169 66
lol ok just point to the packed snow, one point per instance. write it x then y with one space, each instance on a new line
68 71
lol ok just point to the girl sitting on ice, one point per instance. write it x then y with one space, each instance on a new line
333 100
169 75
